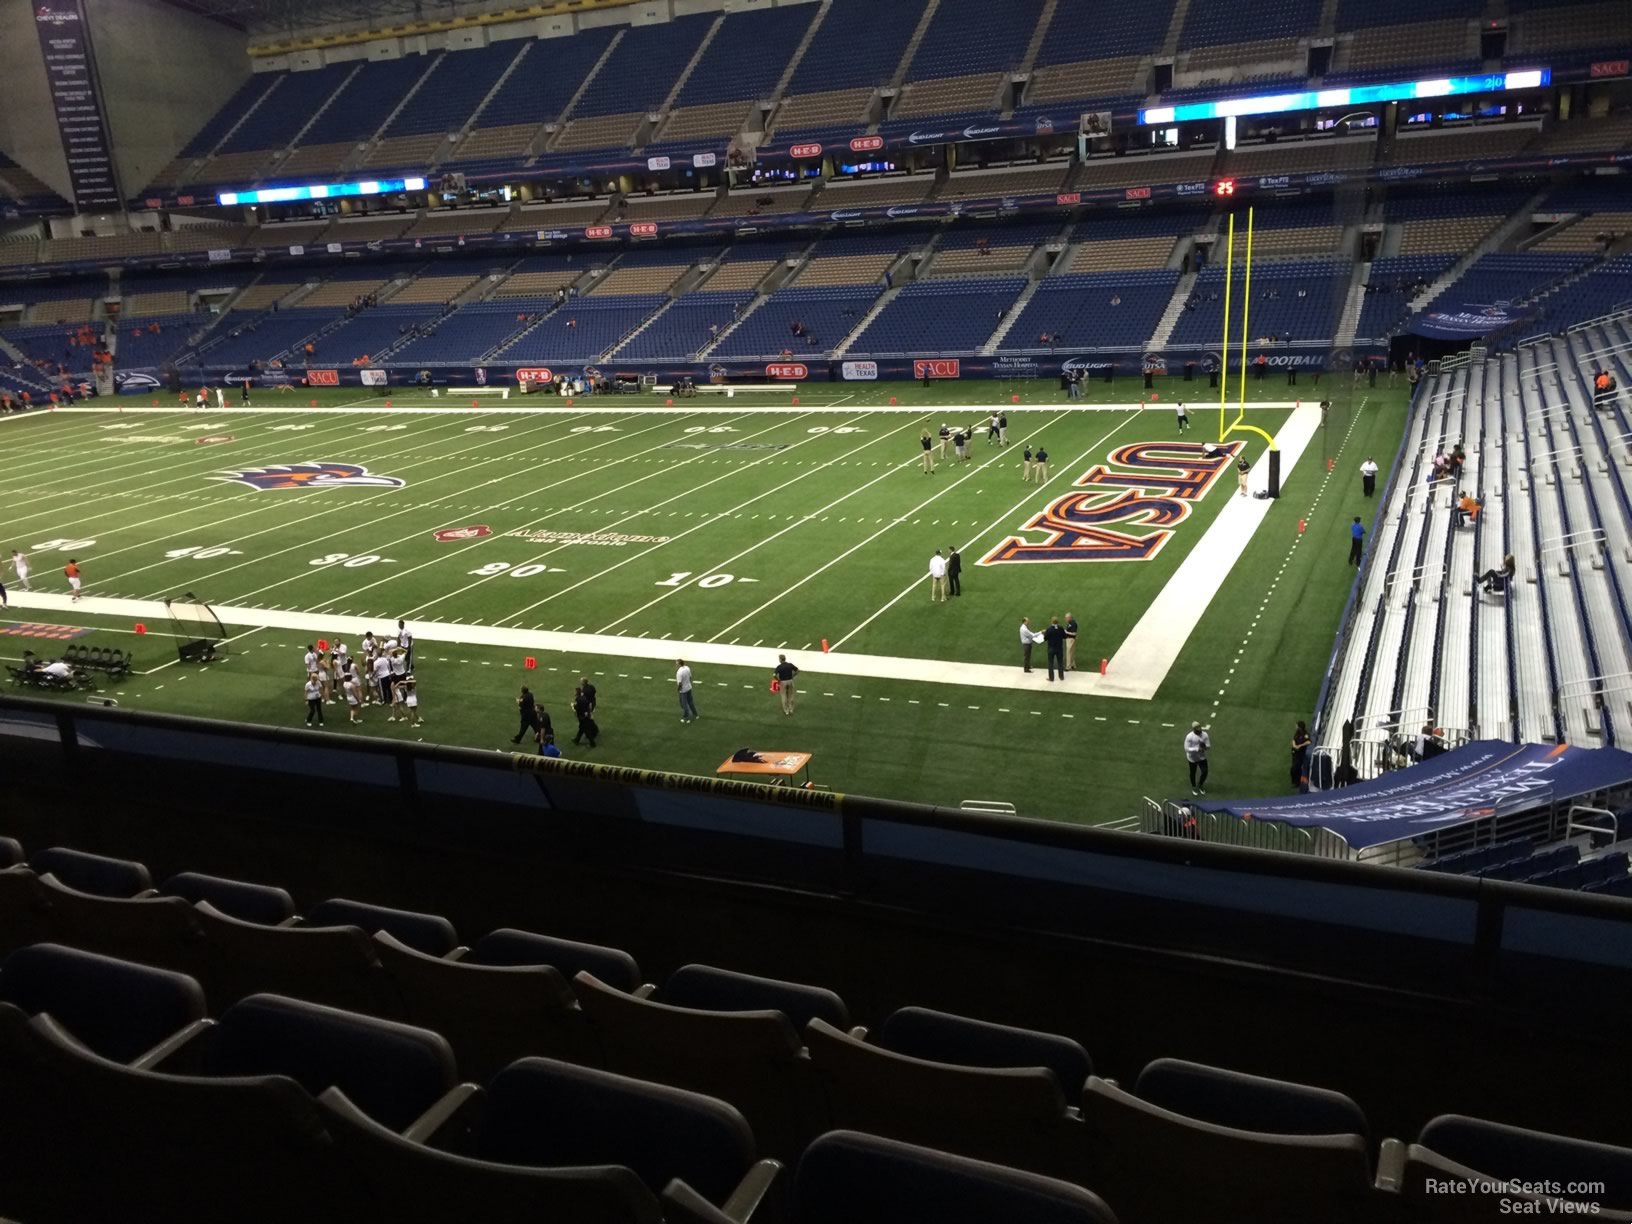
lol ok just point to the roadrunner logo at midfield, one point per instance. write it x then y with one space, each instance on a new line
1150 485
310 476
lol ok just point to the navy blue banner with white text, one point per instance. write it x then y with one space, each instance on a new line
65 45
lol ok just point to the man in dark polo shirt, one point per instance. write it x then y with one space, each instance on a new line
528 708
954 567
1054 639
784 674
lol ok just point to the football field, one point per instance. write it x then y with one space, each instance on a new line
610 536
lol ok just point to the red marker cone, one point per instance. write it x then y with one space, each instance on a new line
668 403
475 403
1104 665
796 400
322 643
1014 399
824 645
388 403
1302 523
530 663
892 399
312 403
569 403
1330 464
140 629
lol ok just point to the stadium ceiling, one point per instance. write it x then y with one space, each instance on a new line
290 17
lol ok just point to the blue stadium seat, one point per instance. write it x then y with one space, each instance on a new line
541 1112
942 1037
393 1072
1247 1102
93 873
850 1178
119 1009
490 1014
1455 1148
567 957
429 933
247 902
702 986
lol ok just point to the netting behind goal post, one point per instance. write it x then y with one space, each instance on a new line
200 635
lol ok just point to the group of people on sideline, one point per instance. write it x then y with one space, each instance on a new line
381 673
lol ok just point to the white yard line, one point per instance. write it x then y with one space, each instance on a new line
895 522
1007 517
262 505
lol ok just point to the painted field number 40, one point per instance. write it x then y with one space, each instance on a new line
201 554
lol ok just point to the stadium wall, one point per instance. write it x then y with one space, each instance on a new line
164 73
28 122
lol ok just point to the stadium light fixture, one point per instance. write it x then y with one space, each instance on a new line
1357 95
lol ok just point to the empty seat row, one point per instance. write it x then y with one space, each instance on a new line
749 1067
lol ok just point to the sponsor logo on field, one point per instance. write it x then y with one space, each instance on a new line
937 367
1151 485
597 231
643 229
310 476
866 144
860 371
322 378
214 439
583 537
805 150
450 535
793 370
539 375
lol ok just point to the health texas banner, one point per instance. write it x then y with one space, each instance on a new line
65 45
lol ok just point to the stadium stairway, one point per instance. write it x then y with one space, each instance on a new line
685 73
293 143
911 49
1045 19
186 172
775 279
862 324
1348 323
1493 241
359 155
1163 331
559 122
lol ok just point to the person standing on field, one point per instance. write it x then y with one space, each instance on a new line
1003 429
314 700
406 641
1040 468
527 708
1368 476
1070 642
1029 637
1183 415
928 444
1054 638
937 578
1196 744
1026 465
954 571
1243 469
19 563
583 707
784 674
354 698
71 572
946 437
1357 540
682 685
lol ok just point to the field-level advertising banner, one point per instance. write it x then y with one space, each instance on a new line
70 72
374 378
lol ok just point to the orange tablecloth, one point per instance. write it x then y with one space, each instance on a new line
777 768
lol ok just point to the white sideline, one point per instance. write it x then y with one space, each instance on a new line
598 404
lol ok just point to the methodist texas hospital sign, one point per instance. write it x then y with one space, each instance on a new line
1148 486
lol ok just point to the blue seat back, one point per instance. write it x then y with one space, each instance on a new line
427 933
508 946
235 898
1515 1154
542 1112
393 1072
710 989
850 1178
942 1037
1247 1102
115 1008
92 873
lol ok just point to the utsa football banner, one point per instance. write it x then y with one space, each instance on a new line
1150 486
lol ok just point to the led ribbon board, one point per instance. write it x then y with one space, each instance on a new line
1357 95
319 191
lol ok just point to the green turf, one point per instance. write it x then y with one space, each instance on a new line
825 536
